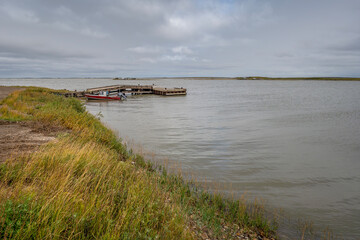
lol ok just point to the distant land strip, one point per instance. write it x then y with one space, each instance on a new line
250 78
301 78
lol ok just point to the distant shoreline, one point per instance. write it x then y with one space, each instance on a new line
302 78
252 78
210 78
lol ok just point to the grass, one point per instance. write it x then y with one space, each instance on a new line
86 185
300 78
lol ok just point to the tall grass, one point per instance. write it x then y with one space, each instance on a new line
86 185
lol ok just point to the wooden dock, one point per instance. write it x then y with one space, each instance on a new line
132 89
169 91
129 89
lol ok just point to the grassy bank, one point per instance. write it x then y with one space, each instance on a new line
87 185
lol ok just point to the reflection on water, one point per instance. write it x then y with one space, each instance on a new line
294 143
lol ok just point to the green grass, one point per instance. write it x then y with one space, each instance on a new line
300 78
86 185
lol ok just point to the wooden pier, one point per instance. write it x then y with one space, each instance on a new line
169 91
129 89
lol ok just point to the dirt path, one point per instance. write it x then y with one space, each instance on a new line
22 137
4 91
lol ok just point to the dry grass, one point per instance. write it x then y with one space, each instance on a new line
87 185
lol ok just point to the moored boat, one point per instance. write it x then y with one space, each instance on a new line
104 95
100 97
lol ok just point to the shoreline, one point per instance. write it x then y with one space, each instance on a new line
211 78
250 78
86 143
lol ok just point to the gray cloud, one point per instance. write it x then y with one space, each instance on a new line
35 52
351 47
176 38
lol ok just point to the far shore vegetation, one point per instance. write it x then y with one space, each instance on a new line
301 78
87 185
248 78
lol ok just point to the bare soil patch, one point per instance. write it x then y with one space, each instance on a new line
4 91
23 137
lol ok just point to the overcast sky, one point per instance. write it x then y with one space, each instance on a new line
139 38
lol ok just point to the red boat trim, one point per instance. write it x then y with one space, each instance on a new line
97 97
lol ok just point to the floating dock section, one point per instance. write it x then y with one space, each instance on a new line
129 89
169 91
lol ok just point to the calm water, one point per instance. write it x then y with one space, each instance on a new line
294 143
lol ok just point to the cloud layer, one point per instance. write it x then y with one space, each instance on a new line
89 38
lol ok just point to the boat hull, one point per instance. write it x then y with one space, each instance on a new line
97 97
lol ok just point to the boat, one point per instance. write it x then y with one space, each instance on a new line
105 96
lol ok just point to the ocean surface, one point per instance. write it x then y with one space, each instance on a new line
295 144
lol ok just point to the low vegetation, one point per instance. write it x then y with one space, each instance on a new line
301 78
87 185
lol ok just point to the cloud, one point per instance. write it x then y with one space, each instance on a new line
144 49
182 50
177 58
156 37
148 60
32 53
93 33
19 14
180 27
174 54
349 46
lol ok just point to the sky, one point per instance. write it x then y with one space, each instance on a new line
179 38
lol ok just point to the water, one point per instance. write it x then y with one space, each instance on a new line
294 143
